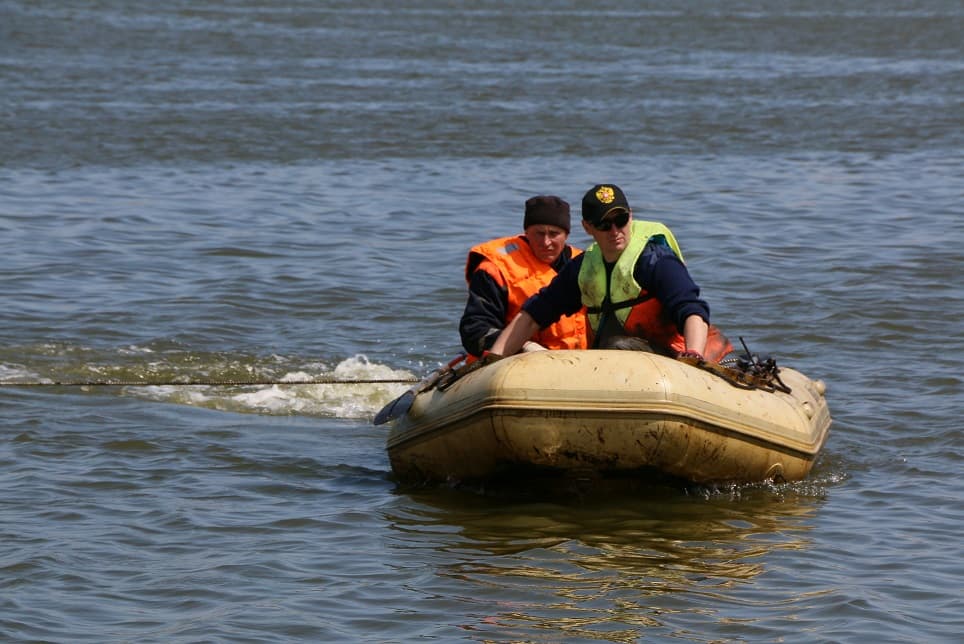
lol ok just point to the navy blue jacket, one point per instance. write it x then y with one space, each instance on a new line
658 271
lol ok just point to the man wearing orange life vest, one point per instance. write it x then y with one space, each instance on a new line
502 274
632 281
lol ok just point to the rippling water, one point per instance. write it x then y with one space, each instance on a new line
252 191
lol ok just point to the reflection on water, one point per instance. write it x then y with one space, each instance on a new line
601 565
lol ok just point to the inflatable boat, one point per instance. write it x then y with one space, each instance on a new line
609 412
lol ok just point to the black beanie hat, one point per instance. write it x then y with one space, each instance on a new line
547 210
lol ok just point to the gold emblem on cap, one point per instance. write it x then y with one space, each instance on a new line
605 195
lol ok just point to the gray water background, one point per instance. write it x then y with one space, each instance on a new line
265 190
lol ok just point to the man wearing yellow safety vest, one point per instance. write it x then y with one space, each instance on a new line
503 273
633 283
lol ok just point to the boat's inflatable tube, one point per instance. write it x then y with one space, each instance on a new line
605 412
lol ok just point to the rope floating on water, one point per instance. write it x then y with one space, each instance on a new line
206 383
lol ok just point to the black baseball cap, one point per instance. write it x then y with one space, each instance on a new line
602 199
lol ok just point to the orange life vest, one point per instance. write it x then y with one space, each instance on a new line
639 314
512 264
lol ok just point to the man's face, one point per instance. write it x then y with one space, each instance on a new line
612 233
546 241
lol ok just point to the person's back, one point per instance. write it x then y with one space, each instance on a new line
503 273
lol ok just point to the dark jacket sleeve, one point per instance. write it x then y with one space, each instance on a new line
484 314
661 273
560 297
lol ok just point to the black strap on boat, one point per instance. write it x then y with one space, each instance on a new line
746 371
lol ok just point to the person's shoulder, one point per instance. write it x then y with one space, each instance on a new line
496 242
574 264
478 260
656 253
488 270
657 245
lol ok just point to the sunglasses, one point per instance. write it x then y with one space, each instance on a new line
618 221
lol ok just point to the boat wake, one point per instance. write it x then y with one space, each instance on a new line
353 388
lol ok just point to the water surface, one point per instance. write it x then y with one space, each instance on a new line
242 190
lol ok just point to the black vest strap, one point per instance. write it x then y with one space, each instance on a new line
609 307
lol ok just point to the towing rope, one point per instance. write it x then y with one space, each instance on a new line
204 383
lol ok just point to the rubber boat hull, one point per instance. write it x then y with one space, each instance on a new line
609 412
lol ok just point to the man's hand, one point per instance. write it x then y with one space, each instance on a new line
690 354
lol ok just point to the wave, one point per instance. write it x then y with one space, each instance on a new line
352 388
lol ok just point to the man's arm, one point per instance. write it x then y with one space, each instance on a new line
560 297
695 332
662 273
514 335
484 314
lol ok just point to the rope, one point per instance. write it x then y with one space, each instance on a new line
205 383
